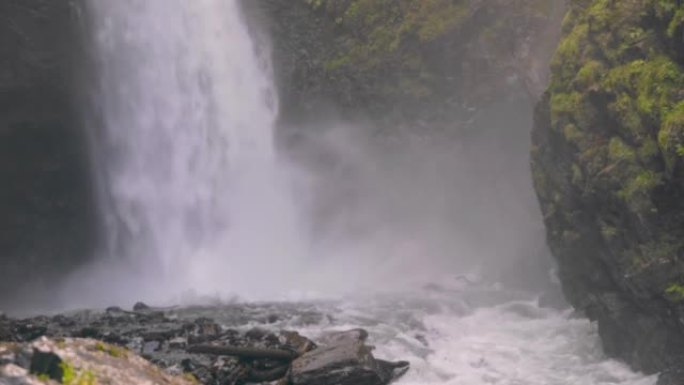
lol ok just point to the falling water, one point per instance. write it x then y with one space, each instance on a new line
195 197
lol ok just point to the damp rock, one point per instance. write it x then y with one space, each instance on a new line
343 359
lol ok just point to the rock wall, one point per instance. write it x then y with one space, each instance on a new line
408 61
608 170
45 200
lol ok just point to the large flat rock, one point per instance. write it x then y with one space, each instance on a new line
342 359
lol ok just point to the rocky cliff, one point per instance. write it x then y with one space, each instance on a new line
45 216
608 169
408 61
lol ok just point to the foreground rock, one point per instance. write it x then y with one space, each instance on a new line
200 349
78 362
344 359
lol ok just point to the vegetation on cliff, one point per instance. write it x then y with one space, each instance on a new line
608 165
408 56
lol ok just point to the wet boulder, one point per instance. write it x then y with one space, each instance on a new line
342 359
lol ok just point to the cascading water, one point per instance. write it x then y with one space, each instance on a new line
195 196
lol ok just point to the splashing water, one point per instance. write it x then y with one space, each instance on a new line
195 196
454 334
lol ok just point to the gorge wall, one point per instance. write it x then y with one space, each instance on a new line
607 166
46 216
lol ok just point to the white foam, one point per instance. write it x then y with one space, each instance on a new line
513 343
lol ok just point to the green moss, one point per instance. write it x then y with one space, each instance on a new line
654 84
590 74
638 189
564 105
73 376
573 134
609 232
619 151
671 136
114 351
675 292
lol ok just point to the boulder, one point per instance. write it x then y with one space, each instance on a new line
343 359
81 361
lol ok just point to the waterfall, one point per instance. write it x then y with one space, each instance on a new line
195 195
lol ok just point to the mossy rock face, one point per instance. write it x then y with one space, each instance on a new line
407 60
607 160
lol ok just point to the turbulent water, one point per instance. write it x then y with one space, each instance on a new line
193 193
455 333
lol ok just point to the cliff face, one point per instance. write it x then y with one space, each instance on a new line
429 61
45 216
608 169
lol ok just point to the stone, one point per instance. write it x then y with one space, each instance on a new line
342 359
46 363
89 361
178 343
140 306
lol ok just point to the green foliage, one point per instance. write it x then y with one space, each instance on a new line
382 33
565 105
617 95
671 136
73 376
400 44
675 292
637 191
114 351
654 84
619 151
590 74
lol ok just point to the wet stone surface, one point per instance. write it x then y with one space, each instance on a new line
181 345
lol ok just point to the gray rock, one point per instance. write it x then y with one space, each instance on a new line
342 359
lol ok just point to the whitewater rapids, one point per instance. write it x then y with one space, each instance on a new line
454 334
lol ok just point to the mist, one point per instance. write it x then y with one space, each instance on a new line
206 193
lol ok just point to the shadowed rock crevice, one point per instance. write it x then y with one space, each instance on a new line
46 213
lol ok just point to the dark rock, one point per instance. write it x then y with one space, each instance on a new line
343 359
260 355
140 306
673 376
391 371
46 363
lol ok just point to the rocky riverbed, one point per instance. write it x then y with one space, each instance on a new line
197 348
452 332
